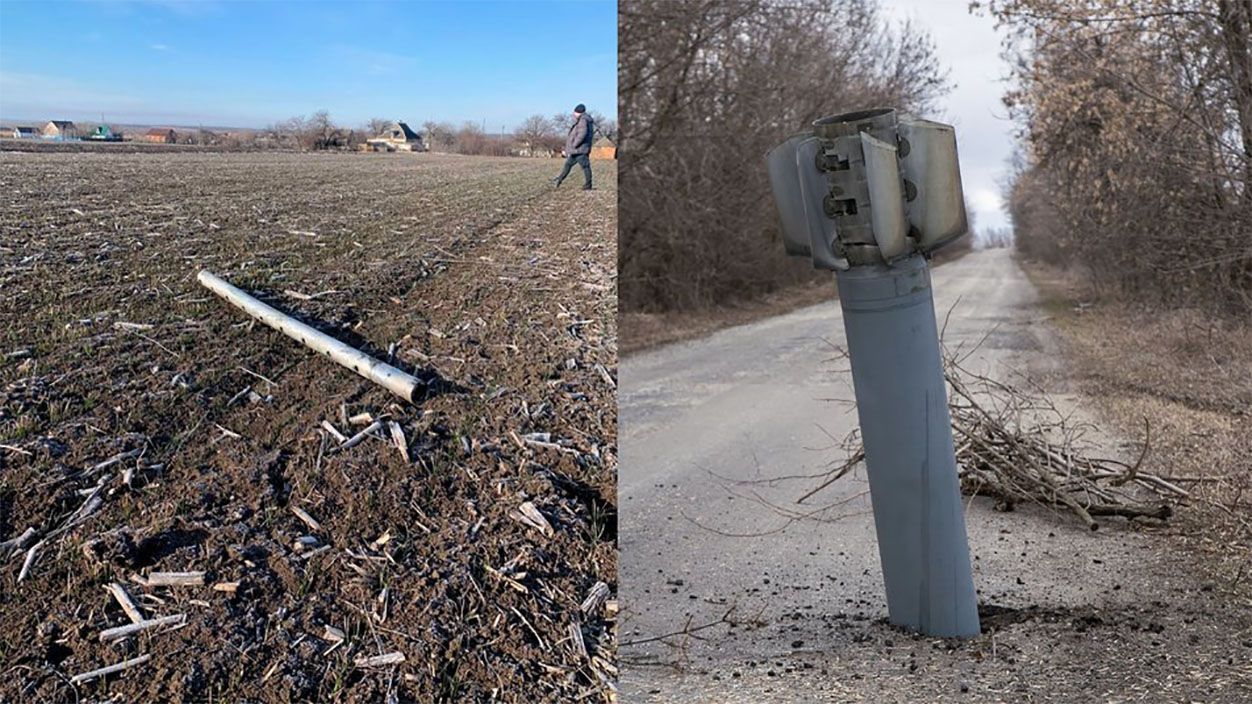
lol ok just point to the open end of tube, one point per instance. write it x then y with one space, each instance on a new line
853 116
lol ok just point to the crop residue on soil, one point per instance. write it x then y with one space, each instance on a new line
461 554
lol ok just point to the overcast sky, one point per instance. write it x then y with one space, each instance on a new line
969 46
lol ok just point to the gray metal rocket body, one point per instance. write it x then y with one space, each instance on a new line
902 404
868 195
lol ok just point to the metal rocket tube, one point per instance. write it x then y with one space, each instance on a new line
394 380
897 372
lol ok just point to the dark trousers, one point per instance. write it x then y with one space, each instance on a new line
581 160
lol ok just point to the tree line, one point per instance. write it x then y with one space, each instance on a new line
535 136
705 89
1135 119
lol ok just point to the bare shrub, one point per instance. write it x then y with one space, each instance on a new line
471 139
440 136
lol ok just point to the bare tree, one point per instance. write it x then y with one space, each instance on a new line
605 127
996 238
471 139
318 131
537 134
440 136
321 132
239 139
1136 162
288 134
705 89
375 126
561 123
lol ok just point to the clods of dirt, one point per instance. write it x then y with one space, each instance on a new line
146 427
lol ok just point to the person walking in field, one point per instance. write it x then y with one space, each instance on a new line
578 146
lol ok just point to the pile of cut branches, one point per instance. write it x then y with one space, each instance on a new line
1014 444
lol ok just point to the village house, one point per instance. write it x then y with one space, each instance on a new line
22 132
603 149
160 135
396 137
104 133
60 129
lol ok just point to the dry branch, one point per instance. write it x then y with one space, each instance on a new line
596 597
356 439
19 542
308 520
175 579
105 671
397 437
334 432
130 629
85 511
1017 446
393 658
527 514
125 601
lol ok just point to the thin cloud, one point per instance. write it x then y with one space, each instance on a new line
30 93
186 9
372 61
160 47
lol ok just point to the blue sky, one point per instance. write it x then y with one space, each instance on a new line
247 64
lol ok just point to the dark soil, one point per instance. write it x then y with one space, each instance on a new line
497 290
43 146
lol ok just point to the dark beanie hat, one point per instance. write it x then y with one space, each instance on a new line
580 108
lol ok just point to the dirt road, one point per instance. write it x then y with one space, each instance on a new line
1071 615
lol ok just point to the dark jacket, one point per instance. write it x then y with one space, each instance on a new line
580 136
